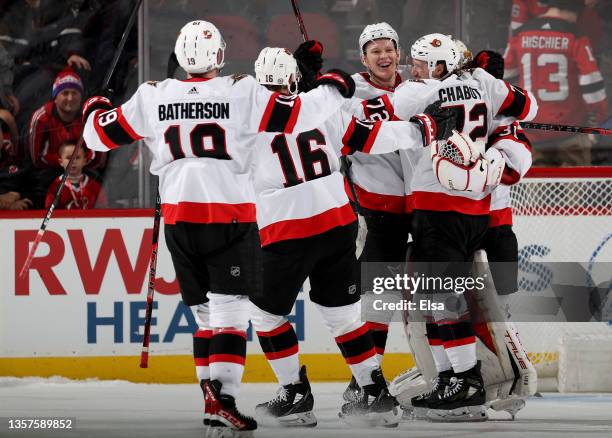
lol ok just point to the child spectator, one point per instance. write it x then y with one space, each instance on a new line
80 191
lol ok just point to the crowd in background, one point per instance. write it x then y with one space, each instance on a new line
55 53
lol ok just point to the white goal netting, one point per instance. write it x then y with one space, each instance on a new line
563 215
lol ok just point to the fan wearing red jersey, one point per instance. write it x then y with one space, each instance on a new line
555 61
524 10
307 230
81 192
201 133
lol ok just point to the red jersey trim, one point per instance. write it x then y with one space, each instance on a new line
268 112
195 80
436 201
306 227
295 111
378 202
206 213
500 217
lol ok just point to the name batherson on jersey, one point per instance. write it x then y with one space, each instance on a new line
201 133
378 179
299 188
480 98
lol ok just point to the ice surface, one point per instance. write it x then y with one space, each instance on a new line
122 409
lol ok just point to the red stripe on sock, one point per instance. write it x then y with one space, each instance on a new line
215 358
360 358
201 361
283 353
206 334
379 350
352 335
277 331
434 342
459 342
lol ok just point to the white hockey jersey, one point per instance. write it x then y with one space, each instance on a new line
201 133
510 139
378 179
299 188
481 98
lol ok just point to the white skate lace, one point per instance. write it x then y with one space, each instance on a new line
453 387
281 395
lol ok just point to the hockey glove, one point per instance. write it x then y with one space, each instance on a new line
96 103
436 122
491 62
339 79
310 61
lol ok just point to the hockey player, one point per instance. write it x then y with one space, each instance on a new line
555 60
307 230
201 132
448 224
378 180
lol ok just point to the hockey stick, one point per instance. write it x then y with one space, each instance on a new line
298 16
144 354
566 128
109 74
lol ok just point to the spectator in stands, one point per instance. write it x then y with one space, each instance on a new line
57 121
8 100
81 192
555 61
19 186
42 37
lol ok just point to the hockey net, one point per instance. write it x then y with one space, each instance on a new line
563 215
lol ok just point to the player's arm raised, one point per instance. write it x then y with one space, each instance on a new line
303 112
107 128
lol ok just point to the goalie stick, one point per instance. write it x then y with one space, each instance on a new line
107 78
566 128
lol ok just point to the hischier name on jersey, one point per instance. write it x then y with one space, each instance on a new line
193 110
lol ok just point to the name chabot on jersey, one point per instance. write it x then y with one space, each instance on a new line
193 110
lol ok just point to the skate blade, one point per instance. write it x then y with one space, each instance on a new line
510 405
300 419
373 419
413 414
458 415
227 432
350 395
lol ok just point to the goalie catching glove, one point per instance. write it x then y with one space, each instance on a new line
460 164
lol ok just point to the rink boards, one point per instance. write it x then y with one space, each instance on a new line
79 312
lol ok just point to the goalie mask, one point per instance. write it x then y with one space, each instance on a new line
200 47
435 48
377 31
277 66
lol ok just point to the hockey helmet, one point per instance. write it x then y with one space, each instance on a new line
465 54
277 66
377 31
434 48
200 47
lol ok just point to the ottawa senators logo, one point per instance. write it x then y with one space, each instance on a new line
207 34
436 42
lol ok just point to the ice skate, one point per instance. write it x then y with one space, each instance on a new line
351 393
292 405
374 406
421 403
225 419
462 401
206 419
